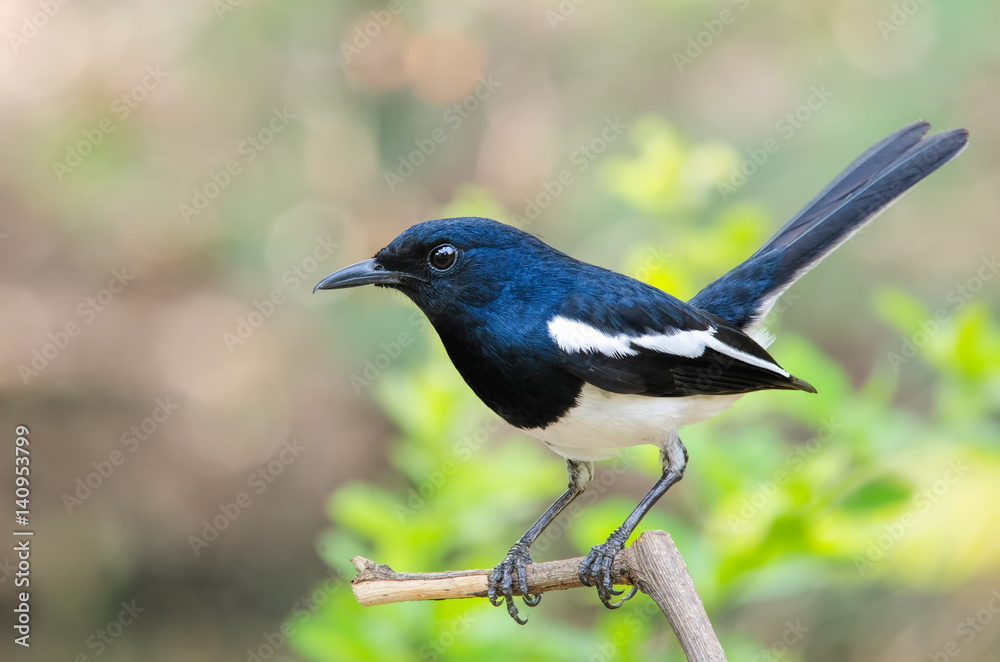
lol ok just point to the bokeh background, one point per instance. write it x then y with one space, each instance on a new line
212 443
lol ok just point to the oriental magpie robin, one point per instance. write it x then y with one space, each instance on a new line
590 361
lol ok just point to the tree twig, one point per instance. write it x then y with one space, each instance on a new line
652 563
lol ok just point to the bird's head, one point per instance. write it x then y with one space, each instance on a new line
450 262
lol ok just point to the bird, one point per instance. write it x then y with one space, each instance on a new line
590 361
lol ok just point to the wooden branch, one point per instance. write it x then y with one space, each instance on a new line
652 563
662 575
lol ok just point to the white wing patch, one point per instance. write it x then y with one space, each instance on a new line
575 336
689 344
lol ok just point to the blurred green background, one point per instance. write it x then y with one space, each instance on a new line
212 443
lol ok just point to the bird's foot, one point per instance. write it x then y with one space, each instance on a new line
595 569
502 581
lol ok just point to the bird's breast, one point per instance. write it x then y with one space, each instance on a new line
525 385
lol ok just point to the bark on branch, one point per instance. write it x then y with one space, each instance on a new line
652 563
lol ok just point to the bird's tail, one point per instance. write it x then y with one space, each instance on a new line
869 185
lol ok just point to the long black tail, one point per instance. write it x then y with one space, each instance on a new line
869 185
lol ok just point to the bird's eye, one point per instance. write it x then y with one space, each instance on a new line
442 257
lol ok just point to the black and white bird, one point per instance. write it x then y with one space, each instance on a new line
590 361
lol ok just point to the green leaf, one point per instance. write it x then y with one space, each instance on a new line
881 492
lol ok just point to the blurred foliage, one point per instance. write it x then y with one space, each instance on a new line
786 496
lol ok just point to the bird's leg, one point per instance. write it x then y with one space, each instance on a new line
595 569
512 568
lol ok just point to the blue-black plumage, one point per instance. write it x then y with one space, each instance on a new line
590 361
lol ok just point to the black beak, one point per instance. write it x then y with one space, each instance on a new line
368 272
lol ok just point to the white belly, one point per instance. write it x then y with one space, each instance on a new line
603 422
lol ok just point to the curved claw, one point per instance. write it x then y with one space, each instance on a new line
631 594
512 610
501 582
595 570
522 585
491 594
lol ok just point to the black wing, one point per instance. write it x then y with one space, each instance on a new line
660 346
